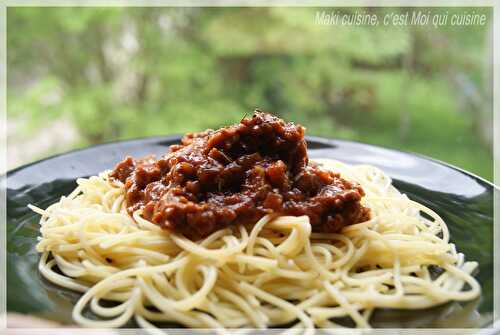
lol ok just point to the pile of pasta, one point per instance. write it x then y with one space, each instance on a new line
275 272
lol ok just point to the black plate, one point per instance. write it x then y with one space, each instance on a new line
463 200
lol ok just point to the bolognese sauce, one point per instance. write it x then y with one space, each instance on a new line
236 175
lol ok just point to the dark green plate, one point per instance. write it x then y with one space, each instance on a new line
463 200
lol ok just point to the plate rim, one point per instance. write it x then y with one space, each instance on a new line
328 140
489 329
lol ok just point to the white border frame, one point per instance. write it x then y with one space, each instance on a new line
248 3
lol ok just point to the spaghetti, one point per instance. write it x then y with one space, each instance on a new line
271 273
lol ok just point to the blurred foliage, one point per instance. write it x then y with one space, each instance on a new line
128 72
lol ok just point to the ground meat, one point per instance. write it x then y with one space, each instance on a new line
236 175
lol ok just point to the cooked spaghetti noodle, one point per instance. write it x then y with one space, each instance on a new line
255 276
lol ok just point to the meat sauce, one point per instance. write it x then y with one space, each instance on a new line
236 175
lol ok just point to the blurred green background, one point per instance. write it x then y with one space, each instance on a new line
80 76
